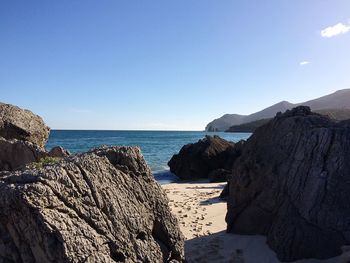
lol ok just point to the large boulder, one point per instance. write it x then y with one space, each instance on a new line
101 206
15 154
16 123
292 184
198 160
58 152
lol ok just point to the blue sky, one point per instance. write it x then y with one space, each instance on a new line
178 64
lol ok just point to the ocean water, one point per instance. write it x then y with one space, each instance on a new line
157 146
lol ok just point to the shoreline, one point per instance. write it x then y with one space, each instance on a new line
196 205
201 215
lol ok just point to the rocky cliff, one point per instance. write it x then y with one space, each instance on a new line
292 183
101 206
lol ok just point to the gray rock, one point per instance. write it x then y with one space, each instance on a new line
219 175
124 158
198 160
15 154
86 208
345 256
59 152
292 184
16 123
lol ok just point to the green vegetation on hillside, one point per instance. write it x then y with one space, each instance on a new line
248 127
334 114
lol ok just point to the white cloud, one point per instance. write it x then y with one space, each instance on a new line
303 63
335 30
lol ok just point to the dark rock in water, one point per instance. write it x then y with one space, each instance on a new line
16 123
197 160
15 154
292 184
85 208
59 152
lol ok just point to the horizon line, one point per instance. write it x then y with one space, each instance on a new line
63 129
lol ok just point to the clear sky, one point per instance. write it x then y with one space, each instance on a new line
168 64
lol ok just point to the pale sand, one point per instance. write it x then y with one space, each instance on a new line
201 215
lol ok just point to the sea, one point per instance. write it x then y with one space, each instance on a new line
157 146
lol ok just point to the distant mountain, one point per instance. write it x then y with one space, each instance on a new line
222 123
337 100
333 102
335 114
270 111
249 126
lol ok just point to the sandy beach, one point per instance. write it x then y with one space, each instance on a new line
201 215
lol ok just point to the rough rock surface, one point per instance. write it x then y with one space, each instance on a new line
59 152
101 206
292 184
16 123
345 256
198 160
219 175
225 192
14 154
